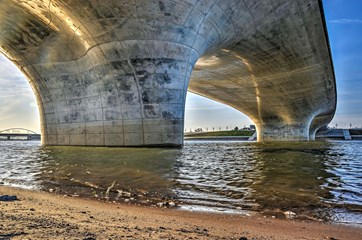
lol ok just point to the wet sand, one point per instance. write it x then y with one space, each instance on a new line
39 215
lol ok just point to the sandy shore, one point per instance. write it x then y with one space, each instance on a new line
39 215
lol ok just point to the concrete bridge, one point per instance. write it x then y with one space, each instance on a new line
116 72
18 134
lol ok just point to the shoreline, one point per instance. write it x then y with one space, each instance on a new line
42 215
332 134
246 138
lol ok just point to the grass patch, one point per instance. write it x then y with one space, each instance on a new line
220 134
355 131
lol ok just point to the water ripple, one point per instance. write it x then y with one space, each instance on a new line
317 179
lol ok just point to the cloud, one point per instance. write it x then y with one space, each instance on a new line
12 81
17 100
15 95
206 108
346 21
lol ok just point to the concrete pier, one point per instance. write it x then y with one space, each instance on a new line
116 73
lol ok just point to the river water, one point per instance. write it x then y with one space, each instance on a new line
316 180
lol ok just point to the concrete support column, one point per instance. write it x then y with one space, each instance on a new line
312 134
273 132
122 93
318 122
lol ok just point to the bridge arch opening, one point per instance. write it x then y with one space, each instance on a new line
207 115
18 105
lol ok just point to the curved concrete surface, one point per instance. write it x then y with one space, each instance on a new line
116 72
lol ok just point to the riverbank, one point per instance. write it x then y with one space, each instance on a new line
218 138
232 135
40 215
250 135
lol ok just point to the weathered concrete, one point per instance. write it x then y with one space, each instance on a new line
116 72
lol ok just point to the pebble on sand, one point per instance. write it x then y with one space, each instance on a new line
290 214
7 198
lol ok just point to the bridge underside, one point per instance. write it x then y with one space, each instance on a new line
116 73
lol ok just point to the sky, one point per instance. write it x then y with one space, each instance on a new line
18 106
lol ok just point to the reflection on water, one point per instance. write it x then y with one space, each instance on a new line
314 179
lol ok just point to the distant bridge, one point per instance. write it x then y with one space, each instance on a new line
18 134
